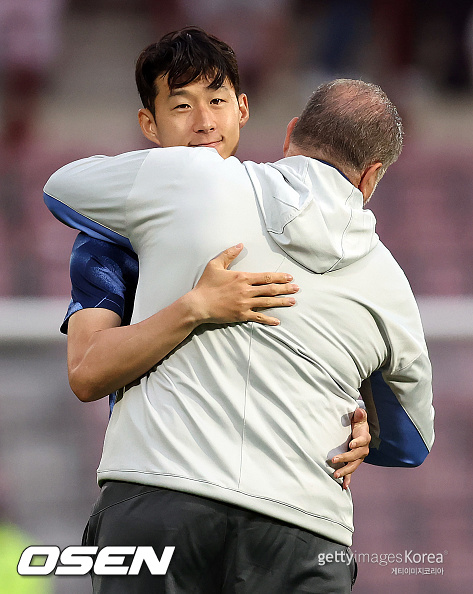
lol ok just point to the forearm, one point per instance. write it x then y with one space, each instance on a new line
114 357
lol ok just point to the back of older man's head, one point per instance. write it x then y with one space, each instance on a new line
351 124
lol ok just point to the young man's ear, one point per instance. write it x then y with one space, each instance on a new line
148 125
244 109
368 181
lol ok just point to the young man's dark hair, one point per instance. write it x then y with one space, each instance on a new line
352 123
185 56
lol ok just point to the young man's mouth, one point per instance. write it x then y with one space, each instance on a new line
213 144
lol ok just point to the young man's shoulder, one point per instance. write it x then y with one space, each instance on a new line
190 163
187 153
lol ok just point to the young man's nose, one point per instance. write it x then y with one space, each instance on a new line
204 120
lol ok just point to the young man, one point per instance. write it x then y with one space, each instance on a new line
190 90
224 449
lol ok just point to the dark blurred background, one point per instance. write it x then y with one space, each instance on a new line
67 91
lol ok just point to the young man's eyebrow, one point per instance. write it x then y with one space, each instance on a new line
181 91
221 87
177 92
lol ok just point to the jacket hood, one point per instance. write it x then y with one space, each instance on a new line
313 212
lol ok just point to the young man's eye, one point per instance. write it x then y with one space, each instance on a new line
217 101
182 106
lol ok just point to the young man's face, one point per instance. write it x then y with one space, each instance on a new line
196 115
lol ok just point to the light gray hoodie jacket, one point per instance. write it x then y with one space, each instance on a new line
245 413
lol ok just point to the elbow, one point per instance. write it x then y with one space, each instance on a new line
84 386
391 456
417 458
409 461
84 395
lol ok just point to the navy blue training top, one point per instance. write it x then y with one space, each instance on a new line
103 275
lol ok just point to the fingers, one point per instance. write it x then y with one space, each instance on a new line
347 469
361 439
269 302
261 318
360 429
225 258
359 417
359 448
267 278
358 453
274 289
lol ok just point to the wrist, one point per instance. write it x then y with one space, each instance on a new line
194 308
